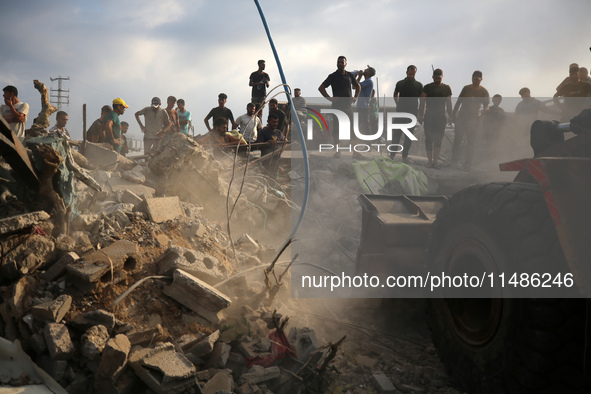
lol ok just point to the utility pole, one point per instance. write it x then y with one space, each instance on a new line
62 97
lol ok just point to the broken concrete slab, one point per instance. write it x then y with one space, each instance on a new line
164 370
100 156
222 381
133 176
58 341
383 384
205 346
94 341
258 374
59 267
146 336
197 295
21 291
21 222
219 356
83 321
91 267
162 209
129 197
198 264
53 311
112 365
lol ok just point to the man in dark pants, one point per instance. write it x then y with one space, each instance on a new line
406 96
341 82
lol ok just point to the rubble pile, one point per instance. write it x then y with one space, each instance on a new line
125 300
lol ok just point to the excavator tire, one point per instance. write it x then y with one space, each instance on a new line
496 345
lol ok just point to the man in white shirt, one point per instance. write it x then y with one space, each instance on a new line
248 124
14 111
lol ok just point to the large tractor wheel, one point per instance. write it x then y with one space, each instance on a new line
504 344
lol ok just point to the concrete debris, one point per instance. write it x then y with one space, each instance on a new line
222 381
164 370
112 365
98 265
219 357
59 267
94 341
134 176
164 208
58 341
205 346
197 295
258 374
84 321
21 222
200 265
146 336
383 384
53 311
129 197
101 156
246 243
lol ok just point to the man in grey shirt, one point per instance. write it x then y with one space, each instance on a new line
157 122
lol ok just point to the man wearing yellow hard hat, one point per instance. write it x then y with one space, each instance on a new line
113 124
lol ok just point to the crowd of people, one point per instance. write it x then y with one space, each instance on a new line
431 104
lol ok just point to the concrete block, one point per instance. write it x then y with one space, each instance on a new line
164 208
197 295
198 264
53 311
258 374
222 381
129 197
205 346
83 321
92 266
100 156
247 243
383 384
133 176
94 341
113 362
58 341
219 356
59 267
37 343
21 222
163 369
146 336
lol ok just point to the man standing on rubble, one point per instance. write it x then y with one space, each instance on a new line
220 112
259 80
157 122
574 92
367 92
59 130
173 116
14 112
96 131
248 124
406 96
341 82
113 124
471 100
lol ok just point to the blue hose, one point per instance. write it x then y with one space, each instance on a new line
298 126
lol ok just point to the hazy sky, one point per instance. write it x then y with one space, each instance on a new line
196 49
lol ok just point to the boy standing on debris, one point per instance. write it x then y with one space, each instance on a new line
113 124
157 122
184 116
14 111
248 124
270 134
173 116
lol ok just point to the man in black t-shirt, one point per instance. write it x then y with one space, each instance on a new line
342 83
436 96
220 112
259 80
406 96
